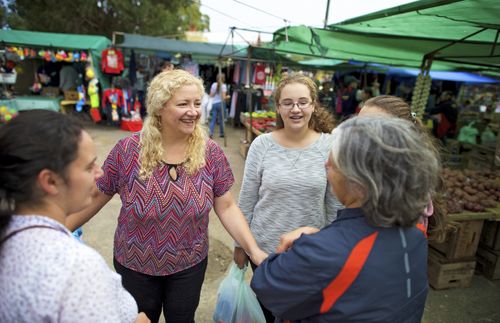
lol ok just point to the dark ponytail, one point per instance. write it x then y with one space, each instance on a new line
33 141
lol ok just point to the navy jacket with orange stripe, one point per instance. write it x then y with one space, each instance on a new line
349 271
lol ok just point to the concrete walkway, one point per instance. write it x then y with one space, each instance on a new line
479 303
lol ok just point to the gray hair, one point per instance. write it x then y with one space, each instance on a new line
390 162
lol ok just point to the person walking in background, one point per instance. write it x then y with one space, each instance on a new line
348 97
218 92
435 212
382 169
48 170
68 77
166 66
284 184
327 96
364 95
169 177
447 115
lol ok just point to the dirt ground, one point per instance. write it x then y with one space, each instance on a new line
479 303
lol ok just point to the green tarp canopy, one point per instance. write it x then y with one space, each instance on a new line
448 19
349 46
47 40
201 52
94 44
406 44
471 28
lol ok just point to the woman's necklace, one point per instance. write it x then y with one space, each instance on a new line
293 156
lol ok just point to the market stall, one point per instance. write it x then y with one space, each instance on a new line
445 35
41 62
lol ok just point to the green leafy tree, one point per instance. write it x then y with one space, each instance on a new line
147 17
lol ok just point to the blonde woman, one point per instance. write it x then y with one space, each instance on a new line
169 177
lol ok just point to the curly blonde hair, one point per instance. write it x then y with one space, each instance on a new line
160 90
321 119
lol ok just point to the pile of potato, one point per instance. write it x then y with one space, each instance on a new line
471 190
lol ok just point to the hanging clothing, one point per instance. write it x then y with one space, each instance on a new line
132 69
259 74
112 102
114 97
112 61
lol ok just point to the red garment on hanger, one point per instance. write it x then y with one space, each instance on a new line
259 74
113 97
112 61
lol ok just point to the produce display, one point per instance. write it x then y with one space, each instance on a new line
263 121
471 190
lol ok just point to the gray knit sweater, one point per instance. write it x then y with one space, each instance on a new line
286 188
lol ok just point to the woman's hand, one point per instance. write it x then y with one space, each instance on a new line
258 256
142 318
240 257
287 239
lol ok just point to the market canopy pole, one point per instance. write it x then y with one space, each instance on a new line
223 104
249 93
326 14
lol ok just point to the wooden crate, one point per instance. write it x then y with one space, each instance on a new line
488 262
444 274
454 161
481 158
462 240
490 236
453 146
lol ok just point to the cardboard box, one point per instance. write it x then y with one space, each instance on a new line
50 91
71 95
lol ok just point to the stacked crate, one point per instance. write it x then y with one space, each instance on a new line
450 155
488 254
451 264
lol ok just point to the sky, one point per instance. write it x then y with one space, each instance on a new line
270 15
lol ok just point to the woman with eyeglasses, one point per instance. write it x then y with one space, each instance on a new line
284 183
169 177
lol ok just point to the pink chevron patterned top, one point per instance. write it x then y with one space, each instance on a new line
163 225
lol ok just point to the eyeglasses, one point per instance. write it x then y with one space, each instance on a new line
289 105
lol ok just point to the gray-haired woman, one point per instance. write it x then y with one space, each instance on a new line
370 264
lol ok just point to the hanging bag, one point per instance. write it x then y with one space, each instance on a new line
236 302
468 134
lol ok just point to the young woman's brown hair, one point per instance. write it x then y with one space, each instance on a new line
321 119
397 107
